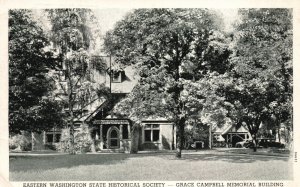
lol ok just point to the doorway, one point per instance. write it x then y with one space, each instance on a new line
113 138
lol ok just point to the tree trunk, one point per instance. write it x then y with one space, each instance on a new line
32 141
72 147
71 139
180 137
71 106
254 143
278 131
134 140
253 131
179 119
210 137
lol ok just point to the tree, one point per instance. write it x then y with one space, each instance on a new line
30 106
72 37
261 88
170 48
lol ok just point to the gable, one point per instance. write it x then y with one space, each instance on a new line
229 129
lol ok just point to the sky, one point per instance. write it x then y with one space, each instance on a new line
108 17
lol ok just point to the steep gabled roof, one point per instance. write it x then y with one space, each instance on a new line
96 111
229 128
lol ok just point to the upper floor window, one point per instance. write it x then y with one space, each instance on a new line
118 76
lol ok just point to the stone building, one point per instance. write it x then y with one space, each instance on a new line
111 133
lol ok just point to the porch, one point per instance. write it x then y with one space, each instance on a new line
112 135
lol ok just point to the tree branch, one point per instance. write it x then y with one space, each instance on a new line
61 86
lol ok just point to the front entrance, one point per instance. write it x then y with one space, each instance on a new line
113 138
112 134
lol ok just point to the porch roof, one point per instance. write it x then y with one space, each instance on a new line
111 121
230 128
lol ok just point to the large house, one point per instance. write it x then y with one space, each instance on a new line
111 133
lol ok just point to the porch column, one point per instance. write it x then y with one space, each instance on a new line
53 133
121 136
129 131
227 140
101 137
97 135
44 137
121 132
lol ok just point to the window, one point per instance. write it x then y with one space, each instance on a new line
49 138
57 138
151 132
53 137
116 77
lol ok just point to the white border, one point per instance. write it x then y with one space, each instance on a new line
5 5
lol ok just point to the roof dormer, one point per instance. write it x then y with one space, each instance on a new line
118 76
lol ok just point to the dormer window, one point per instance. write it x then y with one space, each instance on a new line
118 77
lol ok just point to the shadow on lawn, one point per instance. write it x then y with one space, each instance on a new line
49 162
26 163
232 158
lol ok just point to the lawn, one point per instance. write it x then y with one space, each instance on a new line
155 166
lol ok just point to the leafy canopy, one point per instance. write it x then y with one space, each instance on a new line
261 88
170 48
30 108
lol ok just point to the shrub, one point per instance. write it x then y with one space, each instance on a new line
20 142
83 140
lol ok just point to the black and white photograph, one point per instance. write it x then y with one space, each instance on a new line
151 94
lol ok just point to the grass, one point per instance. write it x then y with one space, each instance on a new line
158 166
260 151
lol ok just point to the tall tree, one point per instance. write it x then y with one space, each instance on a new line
30 106
72 37
170 48
261 89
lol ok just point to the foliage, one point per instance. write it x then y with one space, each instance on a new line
261 88
44 116
30 107
83 140
64 143
170 48
20 142
196 132
72 36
